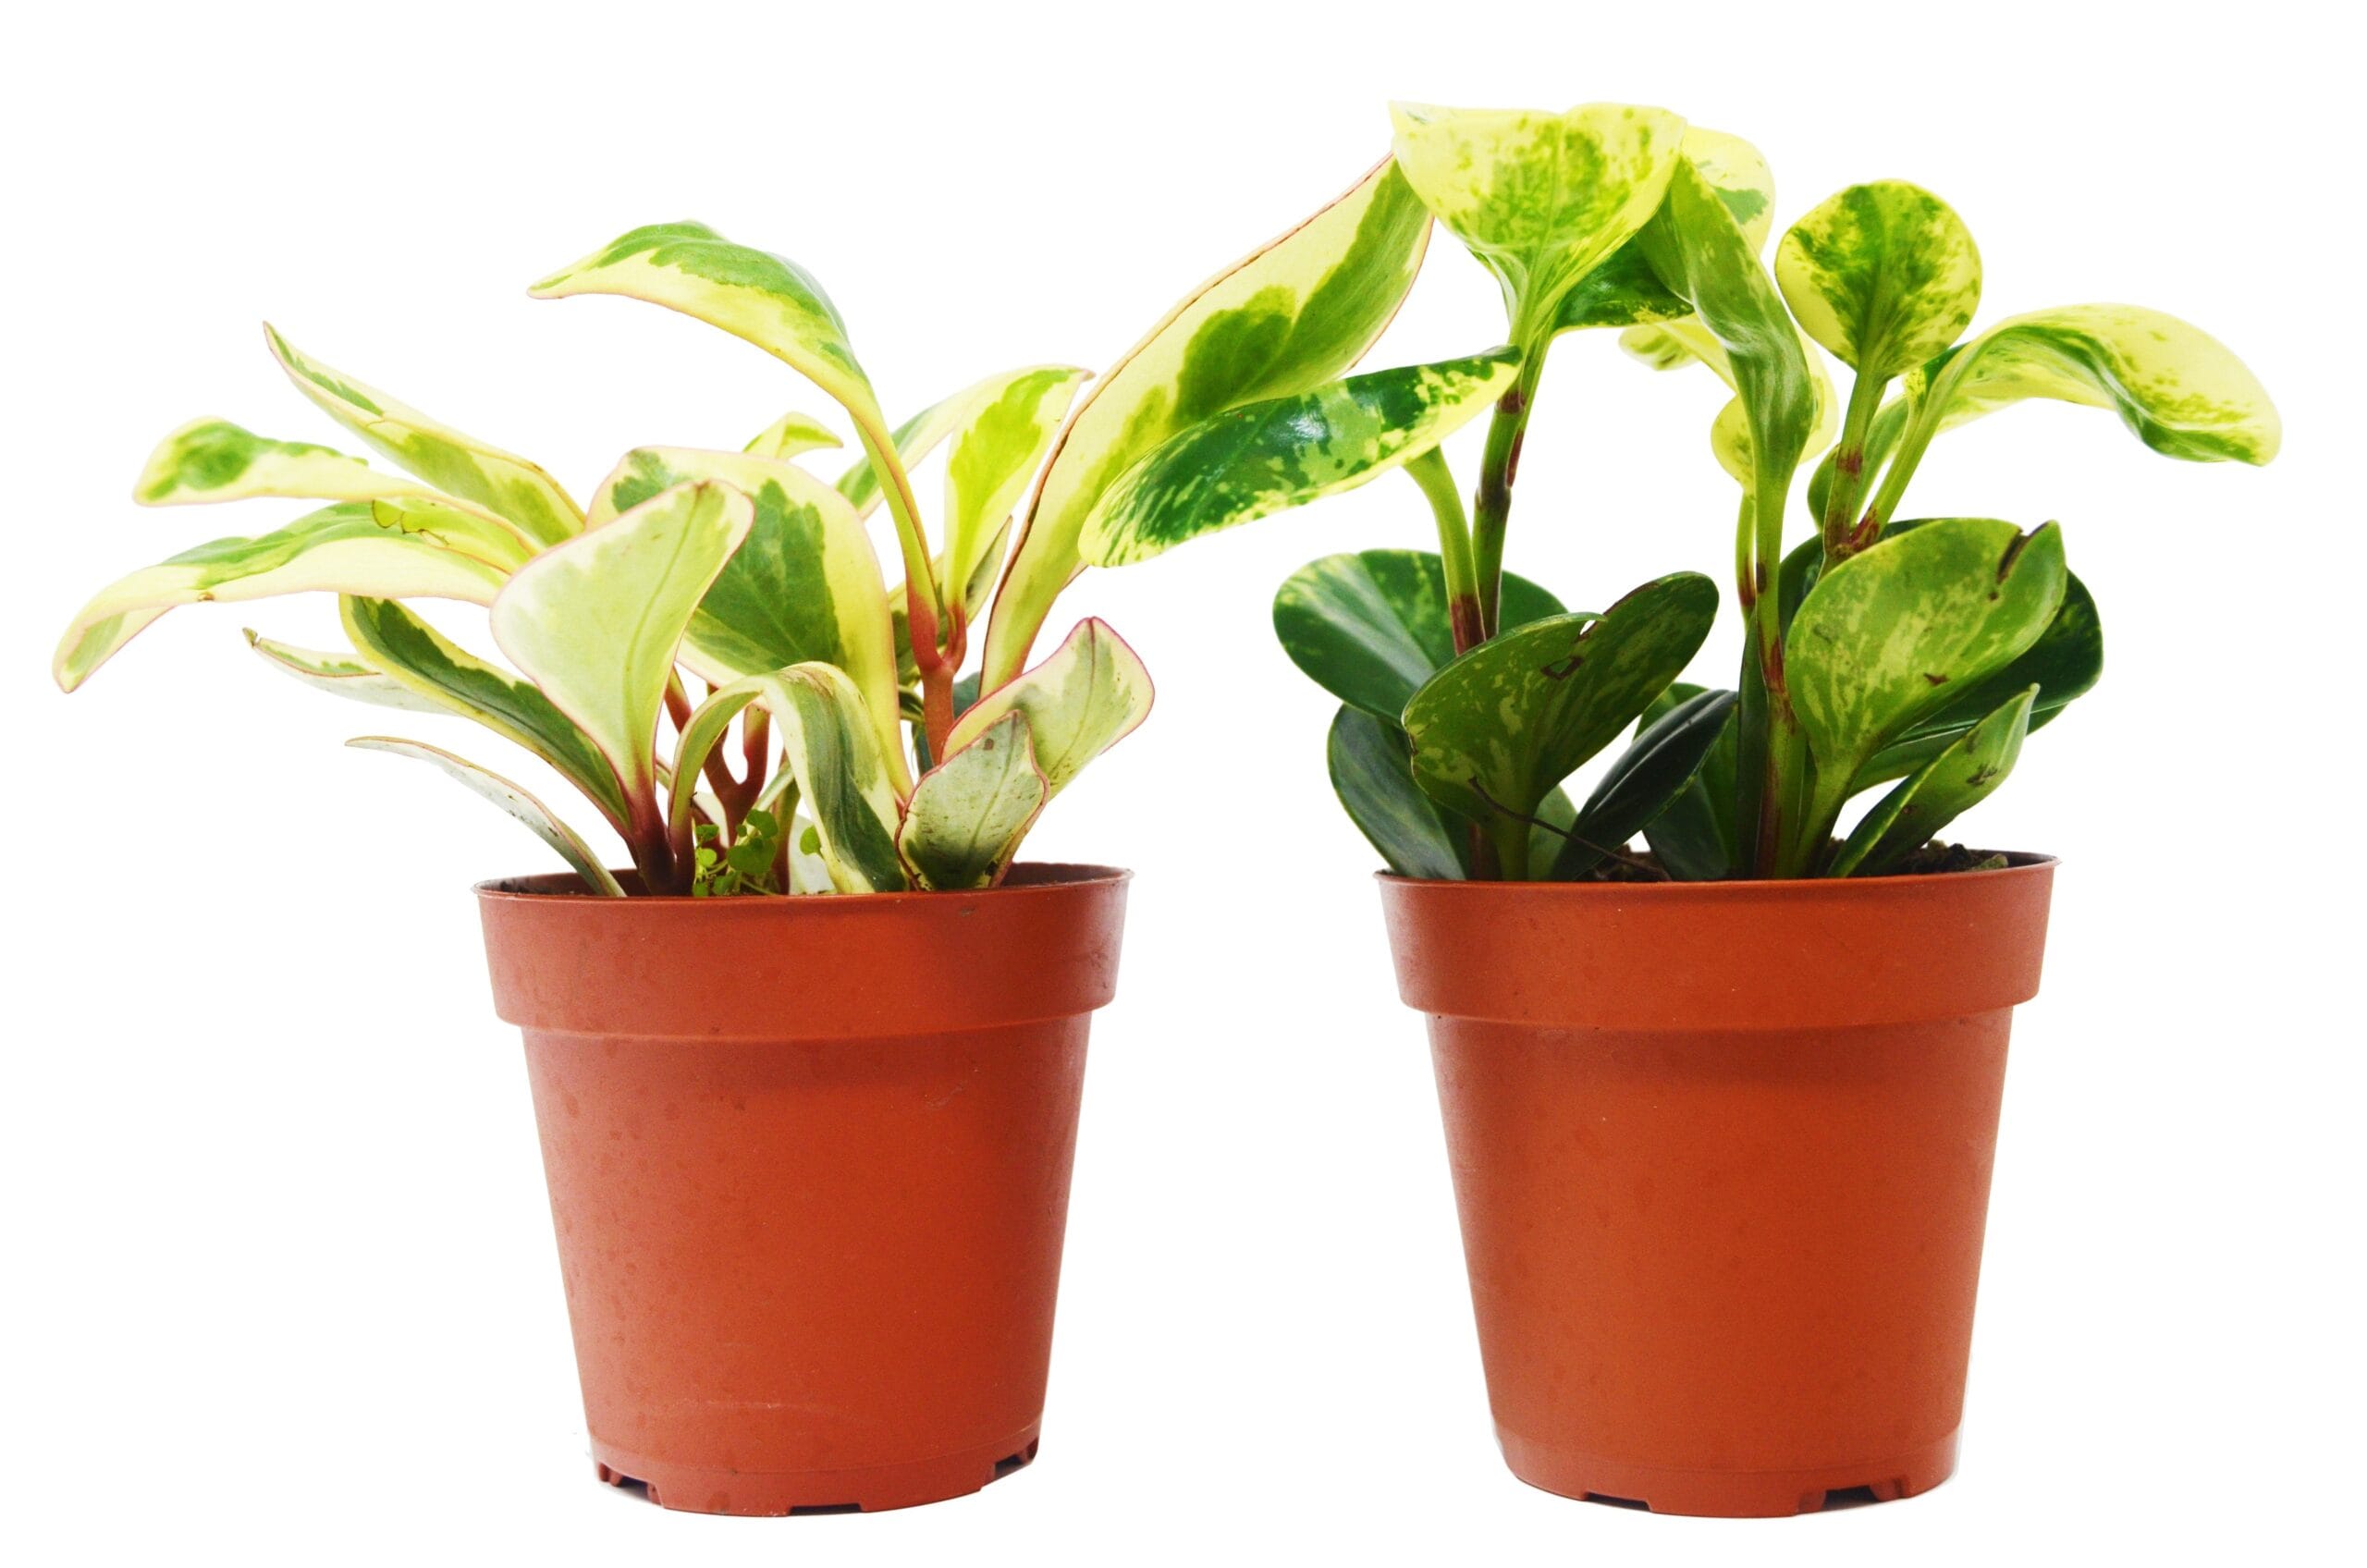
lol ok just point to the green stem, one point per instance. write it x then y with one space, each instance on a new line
1499 465
1921 426
1849 471
1429 471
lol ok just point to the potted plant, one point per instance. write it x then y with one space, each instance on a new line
1721 1110
808 1156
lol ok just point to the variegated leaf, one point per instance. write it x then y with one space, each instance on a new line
1288 318
460 465
1625 291
995 453
213 459
342 673
1884 275
1025 395
1080 702
1891 634
1540 199
1496 731
1263 457
412 654
339 550
968 813
791 433
597 622
769 301
2175 386
1960 777
826 744
804 587
700 735
511 798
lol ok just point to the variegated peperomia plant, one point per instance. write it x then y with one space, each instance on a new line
707 592
1913 653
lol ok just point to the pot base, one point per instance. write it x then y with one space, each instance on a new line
872 1489
1725 1494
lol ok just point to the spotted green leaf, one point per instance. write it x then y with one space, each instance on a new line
1288 318
2065 663
1263 457
1497 729
1625 291
1372 627
413 654
968 813
767 300
1884 275
1540 199
597 622
1888 637
1372 772
501 483
2177 387
342 673
791 433
804 587
1952 783
340 549
511 798
1087 696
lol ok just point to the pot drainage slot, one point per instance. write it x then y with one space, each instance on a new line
1850 1496
1610 1502
1019 1460
803 1509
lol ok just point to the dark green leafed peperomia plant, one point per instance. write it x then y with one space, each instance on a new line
710 591
1912 653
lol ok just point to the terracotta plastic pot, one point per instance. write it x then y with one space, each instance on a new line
1721 1156
809 1167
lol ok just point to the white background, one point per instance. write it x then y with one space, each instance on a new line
281 1283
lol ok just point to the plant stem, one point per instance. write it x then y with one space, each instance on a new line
1491 505
1429 471
1841 540
1922 425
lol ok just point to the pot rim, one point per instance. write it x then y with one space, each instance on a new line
2019 863
1048 878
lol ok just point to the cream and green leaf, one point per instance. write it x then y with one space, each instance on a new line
1088 695
1625 291
1286 319
340 674
415 655
968 813
826 747
341 549
597 623
790 435
1263 457
511 797
804 587
459 465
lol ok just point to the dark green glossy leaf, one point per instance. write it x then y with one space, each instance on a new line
1372 772
1695 837
1660 764
1372 627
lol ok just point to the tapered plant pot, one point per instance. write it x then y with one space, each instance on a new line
809 1167
1721 1156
